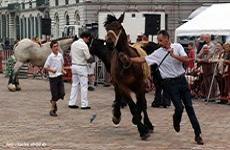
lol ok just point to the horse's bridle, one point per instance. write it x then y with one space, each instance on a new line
114 34
117 36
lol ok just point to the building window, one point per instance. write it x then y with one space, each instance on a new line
29 27
22 29
56 3
56 26
30 3
17 28
36 27
25 28
23 5
67 19
77 18
67 2
3 26
0 27
77 1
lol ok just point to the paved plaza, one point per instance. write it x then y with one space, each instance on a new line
25 123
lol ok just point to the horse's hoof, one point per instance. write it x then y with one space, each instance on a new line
150 131
11 87
18 88
116 125
145 136
116 120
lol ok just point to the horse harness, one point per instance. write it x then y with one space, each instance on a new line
126 63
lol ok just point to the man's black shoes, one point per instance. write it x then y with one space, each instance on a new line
73 106
87 107
199 140
176 124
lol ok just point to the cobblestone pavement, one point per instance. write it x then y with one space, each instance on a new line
26 124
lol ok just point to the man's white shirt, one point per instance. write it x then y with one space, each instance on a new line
171 67
79 52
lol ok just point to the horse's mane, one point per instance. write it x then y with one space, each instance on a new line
102 52
110 19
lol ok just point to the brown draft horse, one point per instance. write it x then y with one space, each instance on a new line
127 77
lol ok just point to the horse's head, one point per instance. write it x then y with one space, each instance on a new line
115 30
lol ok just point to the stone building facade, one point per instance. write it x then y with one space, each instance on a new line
23 18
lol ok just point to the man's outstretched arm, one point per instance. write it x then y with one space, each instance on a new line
138 59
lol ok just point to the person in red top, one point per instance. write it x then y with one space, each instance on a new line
191 55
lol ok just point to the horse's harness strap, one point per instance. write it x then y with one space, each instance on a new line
124 66
127 66
116 36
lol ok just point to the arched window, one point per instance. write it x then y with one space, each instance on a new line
66 18
7 25
47 14
38 25
67 2
22 28
56 26
0 26
3 26
32 26
17 27
25 27
77 18
56 2
29 27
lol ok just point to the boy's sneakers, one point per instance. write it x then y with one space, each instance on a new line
53 113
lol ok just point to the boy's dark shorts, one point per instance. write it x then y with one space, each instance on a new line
57 88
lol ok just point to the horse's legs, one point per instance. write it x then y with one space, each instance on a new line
141 101
13 83
116 106
17 66
136 110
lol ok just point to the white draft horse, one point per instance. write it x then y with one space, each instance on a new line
28 51
127 77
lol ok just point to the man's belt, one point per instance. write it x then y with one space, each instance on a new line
175 78
79 64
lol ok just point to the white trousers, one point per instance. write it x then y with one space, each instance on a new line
79 77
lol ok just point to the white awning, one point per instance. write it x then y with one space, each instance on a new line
214 20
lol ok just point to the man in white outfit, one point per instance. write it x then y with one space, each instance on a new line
80 57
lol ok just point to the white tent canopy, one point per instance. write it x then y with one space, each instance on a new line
214 20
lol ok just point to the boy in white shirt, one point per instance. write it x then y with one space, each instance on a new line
55 67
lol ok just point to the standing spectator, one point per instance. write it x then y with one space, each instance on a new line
204 59
218 58
200 43
174 81
209 43
80 57
191 56
226 72
54 65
